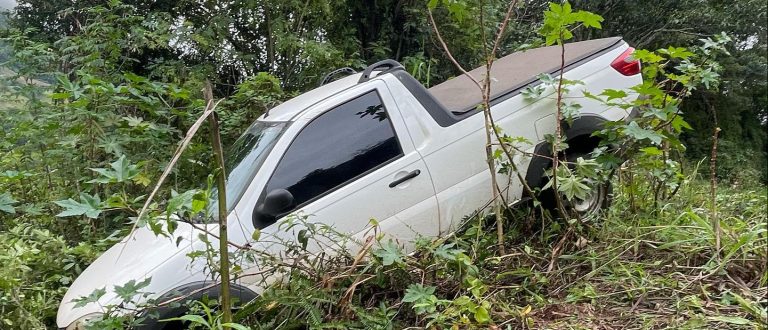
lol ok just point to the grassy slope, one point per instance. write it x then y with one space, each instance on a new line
659 270
632 269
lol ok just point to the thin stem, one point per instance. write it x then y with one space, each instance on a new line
490 128
221 184
558 133
713 180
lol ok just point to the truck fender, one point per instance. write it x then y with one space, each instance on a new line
583 126
192 291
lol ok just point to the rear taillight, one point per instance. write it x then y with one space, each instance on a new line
625 64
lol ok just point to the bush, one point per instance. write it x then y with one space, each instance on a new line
37 267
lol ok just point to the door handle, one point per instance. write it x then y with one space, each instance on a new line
407 177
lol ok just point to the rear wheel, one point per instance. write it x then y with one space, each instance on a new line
598 198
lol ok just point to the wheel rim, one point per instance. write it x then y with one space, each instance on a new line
590 203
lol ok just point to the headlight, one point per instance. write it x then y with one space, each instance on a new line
79 324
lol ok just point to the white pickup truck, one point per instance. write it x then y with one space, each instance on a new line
376 144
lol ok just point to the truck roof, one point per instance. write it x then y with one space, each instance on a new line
287 110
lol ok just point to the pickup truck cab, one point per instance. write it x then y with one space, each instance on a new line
375 144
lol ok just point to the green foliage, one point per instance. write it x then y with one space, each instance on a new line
210 321
389 253
98 94
91 117
647 255
422 298
559 20
740 100
121 171
6 203
652 140
90 206
38 265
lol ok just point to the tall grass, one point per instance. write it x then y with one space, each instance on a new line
648 268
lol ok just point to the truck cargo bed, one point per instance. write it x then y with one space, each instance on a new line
514 71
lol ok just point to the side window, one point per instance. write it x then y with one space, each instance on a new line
336 147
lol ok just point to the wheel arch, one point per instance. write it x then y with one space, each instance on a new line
579 138
191 291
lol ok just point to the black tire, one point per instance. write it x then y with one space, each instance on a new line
600 197
240 295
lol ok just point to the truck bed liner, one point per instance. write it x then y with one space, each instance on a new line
509 73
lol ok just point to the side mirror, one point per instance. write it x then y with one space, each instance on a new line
276 202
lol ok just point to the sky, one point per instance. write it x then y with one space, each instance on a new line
7 4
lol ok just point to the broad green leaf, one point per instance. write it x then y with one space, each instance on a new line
481 315
655 112
709 78
111 144
60 96
589 19
417 292
614 94
6 203
676 52
709 43
121 170
546 79
32 209
199 201
447 251
635 131
647 56
91 298
649 89
589 95
90 206
134 78
586 168
476 287
179 202
678 123
653 151
533 93
463 301
570 111
142 179
130 289
389 253
134 121
572 187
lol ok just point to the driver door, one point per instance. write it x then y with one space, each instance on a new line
354 161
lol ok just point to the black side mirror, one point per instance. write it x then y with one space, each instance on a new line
276 202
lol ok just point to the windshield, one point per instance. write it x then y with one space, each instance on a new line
244 158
